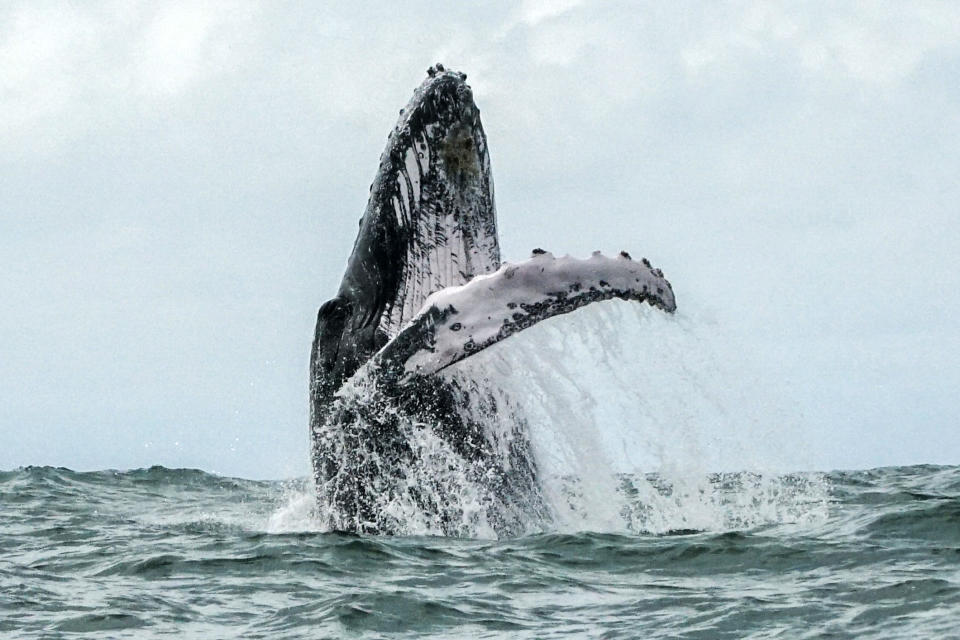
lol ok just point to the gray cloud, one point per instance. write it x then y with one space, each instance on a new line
181 184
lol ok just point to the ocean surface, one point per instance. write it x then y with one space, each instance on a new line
182 553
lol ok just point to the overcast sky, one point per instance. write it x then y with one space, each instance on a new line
180 184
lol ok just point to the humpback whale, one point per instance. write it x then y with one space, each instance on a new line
424 289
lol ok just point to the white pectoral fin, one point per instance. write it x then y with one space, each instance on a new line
457 322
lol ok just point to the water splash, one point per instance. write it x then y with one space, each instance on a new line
297 509
456 464
632 413
635 421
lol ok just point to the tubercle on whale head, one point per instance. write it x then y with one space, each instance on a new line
444 97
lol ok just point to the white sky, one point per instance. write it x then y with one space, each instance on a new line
180 185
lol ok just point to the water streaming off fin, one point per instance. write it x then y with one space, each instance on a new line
625 418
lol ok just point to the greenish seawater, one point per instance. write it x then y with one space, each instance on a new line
182 553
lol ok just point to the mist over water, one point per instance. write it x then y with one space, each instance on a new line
676 506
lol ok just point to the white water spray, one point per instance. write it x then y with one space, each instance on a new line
639 421
618 392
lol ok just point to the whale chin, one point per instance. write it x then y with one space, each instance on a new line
424 289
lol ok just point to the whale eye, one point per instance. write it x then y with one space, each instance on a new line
456 326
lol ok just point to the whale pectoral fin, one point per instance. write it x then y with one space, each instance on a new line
459 321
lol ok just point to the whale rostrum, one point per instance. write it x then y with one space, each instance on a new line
423 290
430 223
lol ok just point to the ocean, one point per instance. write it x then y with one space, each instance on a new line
159 552
663 464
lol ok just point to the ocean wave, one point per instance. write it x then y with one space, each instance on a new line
151 552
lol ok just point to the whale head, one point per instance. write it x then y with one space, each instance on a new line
430 223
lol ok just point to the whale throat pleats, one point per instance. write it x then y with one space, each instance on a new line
441 197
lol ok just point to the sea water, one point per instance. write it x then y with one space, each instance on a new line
675 511
162 552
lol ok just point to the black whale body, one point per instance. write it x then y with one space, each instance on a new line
423 290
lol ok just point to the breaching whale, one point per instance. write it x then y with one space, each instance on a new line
425 288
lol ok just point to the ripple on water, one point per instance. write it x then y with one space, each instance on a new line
99 622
